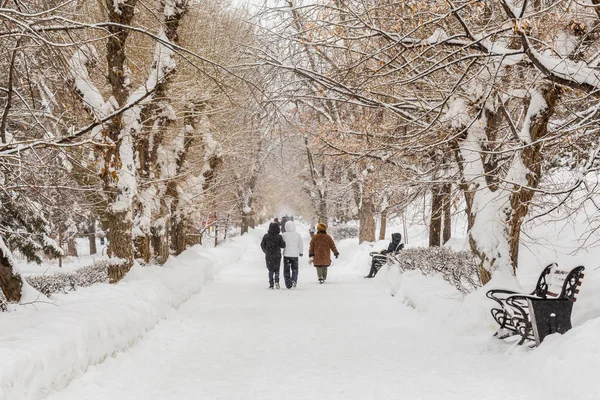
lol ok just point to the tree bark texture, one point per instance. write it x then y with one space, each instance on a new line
435 223
367 220
92 236
532 158
71 247
383 225
142 248
447 211
10 282
160 239
120 236
179 233
120 244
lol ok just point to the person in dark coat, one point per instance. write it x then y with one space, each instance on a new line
380 258
319 250
283 221
271 245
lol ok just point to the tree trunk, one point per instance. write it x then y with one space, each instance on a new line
60 243
120 244
435 224
367 221
532 158
178 235
383 226
216 232
322 211
120 238
447 211
507 202
72 246
245 223
160 242
92 236
10 283
142 248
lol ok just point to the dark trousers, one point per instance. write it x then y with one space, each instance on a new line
273 266
376 263
290 270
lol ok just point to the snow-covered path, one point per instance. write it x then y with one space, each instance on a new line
346 339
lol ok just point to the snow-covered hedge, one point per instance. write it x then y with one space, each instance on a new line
341 232
459 268
63 282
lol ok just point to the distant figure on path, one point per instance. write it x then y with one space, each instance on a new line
293 249
284 219
271 245
320 246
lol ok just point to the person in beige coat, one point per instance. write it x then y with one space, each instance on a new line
321 246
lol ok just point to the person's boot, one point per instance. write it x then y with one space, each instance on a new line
276 285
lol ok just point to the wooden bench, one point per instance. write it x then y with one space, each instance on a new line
544 311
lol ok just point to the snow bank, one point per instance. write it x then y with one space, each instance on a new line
426 294
45 345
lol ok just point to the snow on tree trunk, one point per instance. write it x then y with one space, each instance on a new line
496 205
10 283
541 106
160 242
158 116
118 171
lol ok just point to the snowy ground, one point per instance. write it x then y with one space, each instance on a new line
346 339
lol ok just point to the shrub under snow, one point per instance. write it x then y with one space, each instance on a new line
459 268
63 282
341 232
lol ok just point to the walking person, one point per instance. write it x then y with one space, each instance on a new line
293 249
271 244
319 251
284 219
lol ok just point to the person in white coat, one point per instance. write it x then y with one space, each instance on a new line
293 249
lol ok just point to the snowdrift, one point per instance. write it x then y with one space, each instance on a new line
44 345
574 355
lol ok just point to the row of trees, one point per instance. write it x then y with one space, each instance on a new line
154 119
481 98
145 119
